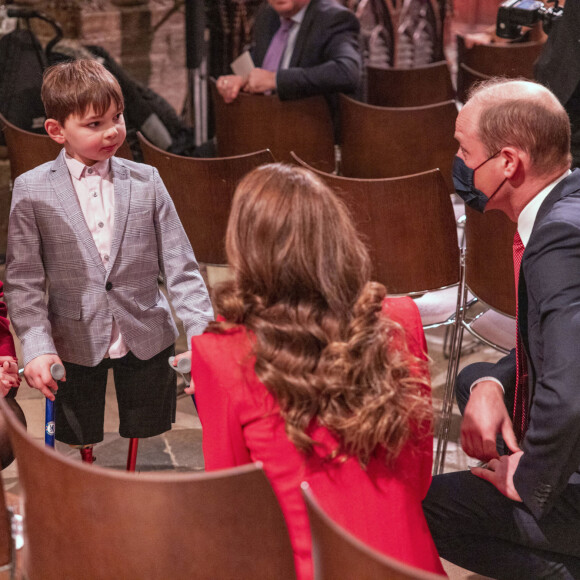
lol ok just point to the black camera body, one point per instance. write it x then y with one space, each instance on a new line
513 14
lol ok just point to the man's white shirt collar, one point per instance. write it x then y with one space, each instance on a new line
528 215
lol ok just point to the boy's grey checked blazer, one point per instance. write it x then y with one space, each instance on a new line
61 297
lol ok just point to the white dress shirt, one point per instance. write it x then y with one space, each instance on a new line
96 194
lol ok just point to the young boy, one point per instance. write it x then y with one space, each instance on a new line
92 233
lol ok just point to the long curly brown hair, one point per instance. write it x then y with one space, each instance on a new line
301 285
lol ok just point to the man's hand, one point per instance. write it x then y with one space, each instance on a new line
37 374
229 87
260 81
485 416
500 473
189 389
8 374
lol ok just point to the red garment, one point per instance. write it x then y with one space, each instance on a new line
241 424
6 340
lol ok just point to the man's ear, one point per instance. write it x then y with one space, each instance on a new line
54 130
511 161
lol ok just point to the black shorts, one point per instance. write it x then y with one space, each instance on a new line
146 397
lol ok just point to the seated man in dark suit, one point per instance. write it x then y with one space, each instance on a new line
301 48
519 516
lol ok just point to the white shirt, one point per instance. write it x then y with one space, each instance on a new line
96 194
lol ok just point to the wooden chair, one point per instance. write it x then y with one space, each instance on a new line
338 554
489 276
469 78
391 142
95 523
497 59
409 87
27 150
409 226
256 122
202 190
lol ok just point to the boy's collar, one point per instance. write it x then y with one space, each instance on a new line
78 169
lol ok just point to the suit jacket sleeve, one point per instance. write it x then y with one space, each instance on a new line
339 69
504 370
26 278
185 285
6 340
552 442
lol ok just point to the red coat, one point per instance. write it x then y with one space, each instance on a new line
6 340
241 424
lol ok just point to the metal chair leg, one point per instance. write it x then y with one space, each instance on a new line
452 370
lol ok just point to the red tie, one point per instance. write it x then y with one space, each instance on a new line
520 416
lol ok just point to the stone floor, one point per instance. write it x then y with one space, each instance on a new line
180 449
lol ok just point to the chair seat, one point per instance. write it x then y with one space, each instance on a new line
495 327
438 306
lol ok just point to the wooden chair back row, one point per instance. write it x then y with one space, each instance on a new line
408 225
382 142
202 191
505 60
95 523
409 87
257 122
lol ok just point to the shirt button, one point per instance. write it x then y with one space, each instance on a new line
108 286
106 257
90 170
95 194
101 224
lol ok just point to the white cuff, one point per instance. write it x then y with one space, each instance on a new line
492 379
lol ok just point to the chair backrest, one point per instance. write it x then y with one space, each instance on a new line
498 59
256 122
338 554
408 225
395 141
469 77
489 267
27 150
409 87
202 191
95 523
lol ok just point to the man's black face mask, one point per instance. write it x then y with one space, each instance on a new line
463 180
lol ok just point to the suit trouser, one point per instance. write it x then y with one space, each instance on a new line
146 398
476 527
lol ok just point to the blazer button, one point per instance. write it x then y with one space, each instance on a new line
108 286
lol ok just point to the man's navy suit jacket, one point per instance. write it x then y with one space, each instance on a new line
549 323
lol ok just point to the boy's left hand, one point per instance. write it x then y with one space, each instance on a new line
190 389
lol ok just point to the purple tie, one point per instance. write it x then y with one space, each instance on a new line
277 46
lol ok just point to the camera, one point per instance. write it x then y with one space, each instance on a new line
513 14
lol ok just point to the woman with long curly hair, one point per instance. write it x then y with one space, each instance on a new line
313 371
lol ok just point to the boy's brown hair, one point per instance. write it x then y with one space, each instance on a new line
74 87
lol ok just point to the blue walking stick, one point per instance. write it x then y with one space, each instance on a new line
57 373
